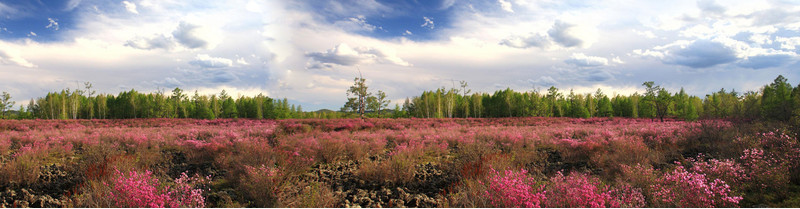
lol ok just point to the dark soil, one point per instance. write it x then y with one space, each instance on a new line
426 191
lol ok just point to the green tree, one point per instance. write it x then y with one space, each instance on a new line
776 100
358 92
5 103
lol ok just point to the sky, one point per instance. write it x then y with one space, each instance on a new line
310 51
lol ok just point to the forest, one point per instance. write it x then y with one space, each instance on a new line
775 101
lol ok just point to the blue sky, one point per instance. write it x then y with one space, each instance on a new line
309 51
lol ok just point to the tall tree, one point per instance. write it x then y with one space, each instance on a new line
776 102
360 94
5 103
382 101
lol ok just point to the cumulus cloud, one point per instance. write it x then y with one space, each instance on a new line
581 60
345 55
242 61
13 58
560 34
505 5
428 23
205 61
524 42
156 42
358 23
131 7
766 61
617 60
789 43
192 36
186 34
700 54
711 7
53 24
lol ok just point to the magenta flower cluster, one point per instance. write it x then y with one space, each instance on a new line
682 188
514 189
517 189
142 190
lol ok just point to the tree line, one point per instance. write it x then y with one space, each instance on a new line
775 101
84 104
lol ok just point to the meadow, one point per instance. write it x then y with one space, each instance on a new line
503 162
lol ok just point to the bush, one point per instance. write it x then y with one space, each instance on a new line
681 188
514 189
141 189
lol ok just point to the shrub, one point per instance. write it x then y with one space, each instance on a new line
307 195
578 190
514 189
681 188
262 185
141 189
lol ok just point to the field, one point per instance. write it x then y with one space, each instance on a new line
508 162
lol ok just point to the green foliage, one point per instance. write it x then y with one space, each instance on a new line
776 100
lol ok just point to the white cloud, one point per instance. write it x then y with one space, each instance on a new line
186 34
72 4
194 36
572 35
407 33
53 24
32 34
647 34
789 43
156 42
506 6
254 6
617 60
523 42
241 61
205 61
12 57
711 7
345 55
131 7
447 4
581 60
358 23
6 10
428 23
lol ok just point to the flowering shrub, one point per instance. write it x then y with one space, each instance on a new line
681 188
626 196
141 189
265 161
578 190
727 170
514 189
